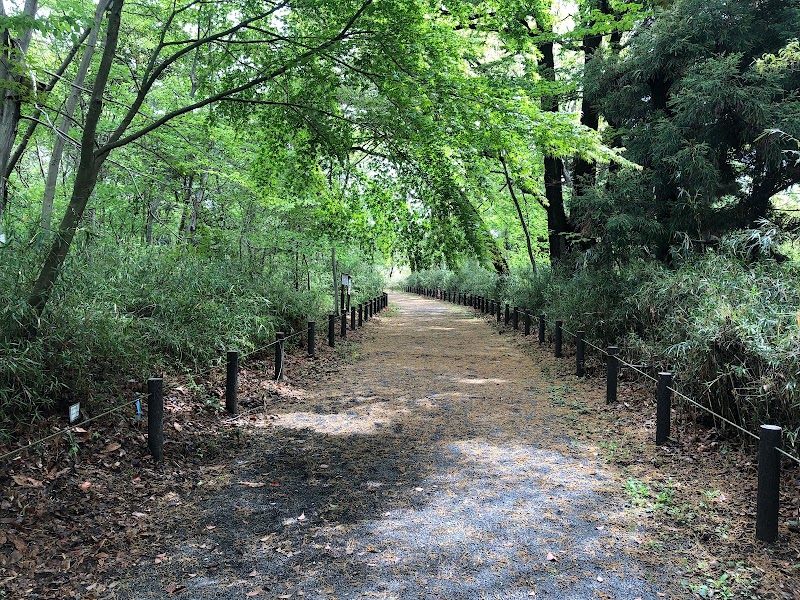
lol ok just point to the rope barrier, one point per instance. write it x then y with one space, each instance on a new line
68 429
691 401
712 412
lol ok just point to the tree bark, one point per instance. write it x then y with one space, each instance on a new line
557 224
584 173
12 83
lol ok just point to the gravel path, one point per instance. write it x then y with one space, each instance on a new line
436 466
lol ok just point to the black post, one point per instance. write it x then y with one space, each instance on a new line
612 375
769 479
663 406
541 329
279 336
352 318
507 315
527 323
231 381
516 318
580 351
155 418
491 307
312 339
499 310
360 314
343 328
331 330
559 337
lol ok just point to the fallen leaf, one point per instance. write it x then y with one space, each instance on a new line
112 447
210 527
551 556
302 517
177 426
23 481
86 485
252 484
256 592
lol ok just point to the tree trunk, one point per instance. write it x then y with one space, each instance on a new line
557 224
12 84
85 178
584 173
66 119
513 194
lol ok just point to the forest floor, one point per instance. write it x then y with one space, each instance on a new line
432 455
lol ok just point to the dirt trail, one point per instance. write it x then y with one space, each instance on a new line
439 465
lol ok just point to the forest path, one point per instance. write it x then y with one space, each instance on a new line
439 465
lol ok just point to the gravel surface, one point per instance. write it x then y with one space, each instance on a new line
438 465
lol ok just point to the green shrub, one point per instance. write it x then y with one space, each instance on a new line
122 312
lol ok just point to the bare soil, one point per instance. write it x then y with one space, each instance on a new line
432 455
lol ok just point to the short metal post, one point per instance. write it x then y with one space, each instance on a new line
491 307
343 328
231 381
507 315
279 337
769 479
360 315
527 323
516 318
580 351
155 418
312 339
612 374
541 329
331 330
352 318
559 338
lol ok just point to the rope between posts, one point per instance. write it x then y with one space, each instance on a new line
708 410
621 361
681 394
787 455
68 429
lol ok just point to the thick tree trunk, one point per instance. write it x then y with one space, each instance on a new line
584 173
13 84
557 224
85 178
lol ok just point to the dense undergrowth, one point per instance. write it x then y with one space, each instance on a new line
129 312
728 327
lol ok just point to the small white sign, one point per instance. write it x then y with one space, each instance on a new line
74 412
346 281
